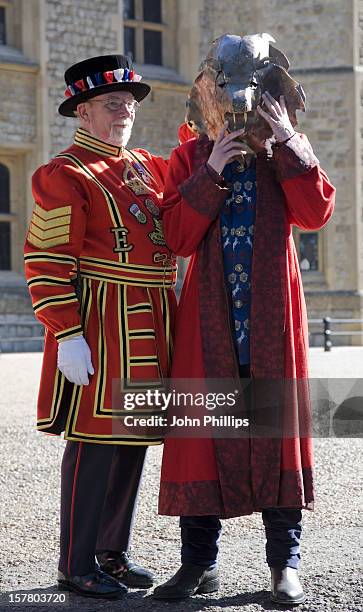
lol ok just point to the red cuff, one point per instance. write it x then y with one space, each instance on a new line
293 157
202 193
215 176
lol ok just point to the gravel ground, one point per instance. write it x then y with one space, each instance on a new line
29 501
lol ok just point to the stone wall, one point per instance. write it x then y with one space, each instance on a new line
230 16
20 332
312 33
359 25
18 111
359 196
156 125
74 31
330 130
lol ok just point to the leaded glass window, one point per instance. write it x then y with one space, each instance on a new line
144 30
309 251
152 47
2 26
5 227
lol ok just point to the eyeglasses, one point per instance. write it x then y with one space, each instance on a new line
113 105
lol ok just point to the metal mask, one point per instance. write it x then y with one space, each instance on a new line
232 78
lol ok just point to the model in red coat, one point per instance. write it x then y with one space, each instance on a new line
242 316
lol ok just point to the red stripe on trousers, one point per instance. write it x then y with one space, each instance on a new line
72 508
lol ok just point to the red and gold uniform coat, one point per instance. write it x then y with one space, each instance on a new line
99 204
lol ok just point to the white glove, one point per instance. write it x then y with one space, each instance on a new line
74 360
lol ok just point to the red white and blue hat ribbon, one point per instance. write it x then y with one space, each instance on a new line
102 78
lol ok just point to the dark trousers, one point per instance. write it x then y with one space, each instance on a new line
200 534
99 488
200 538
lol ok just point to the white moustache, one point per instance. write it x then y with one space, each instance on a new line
126 124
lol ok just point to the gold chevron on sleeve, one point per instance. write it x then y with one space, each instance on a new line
52 232
64 220
61 211
50 242
50 227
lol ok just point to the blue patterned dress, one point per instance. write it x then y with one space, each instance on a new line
237 220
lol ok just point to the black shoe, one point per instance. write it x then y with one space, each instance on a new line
120 566
189 580
96 584
285 586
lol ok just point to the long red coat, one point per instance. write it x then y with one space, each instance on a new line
235 477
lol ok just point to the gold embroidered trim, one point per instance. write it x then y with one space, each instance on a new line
53 257
168 281
44 225
61 211
56 402
111 203
99 395
48 280
140 307
47 243
85 140
49 233
57 300
139 268
49 227
76 330
139 334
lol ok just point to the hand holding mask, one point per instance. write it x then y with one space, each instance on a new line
226 147
277 117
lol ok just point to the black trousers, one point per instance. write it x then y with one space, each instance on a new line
99 489
200 537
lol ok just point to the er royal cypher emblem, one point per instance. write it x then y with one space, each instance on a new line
121 243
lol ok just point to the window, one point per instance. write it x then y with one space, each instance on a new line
129 9
152 47
152 10
308 251
5 242
144 31
5 259
129 42
2 26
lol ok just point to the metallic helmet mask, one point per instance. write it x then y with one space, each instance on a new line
231 81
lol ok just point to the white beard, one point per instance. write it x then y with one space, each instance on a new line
120 136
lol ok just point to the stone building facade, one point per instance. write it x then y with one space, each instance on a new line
323 40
